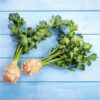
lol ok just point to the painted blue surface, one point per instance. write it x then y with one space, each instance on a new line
51 82
50 91
49 5
83 19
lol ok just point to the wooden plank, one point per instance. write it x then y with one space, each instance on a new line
49 5
8 46
54 73
88 22
50 91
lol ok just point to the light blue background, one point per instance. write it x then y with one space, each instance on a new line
51 82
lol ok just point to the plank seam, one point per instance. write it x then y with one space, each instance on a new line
25 57
76 33
58 81
49 10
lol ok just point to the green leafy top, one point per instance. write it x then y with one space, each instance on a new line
71 51
27 37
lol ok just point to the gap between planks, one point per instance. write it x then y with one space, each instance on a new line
76 33
57 81
49 10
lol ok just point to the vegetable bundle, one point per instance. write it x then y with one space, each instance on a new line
71 51
26 39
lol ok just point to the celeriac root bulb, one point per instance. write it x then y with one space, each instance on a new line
11 73
31 66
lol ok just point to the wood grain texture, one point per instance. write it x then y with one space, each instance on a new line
49 5
50 91
88 22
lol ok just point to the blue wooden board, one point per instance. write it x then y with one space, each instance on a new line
50 91
49 5
51 82
83 19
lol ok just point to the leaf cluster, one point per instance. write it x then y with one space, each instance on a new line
27 37
71 51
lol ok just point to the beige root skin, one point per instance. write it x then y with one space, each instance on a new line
31 66
11 73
